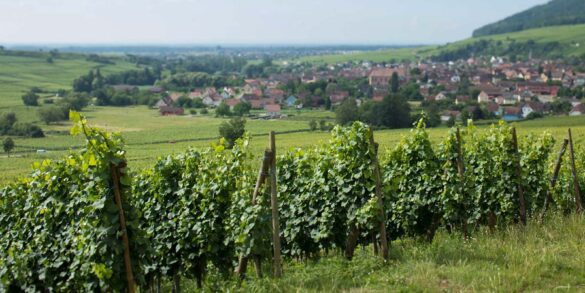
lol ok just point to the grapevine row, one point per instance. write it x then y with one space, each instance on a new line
193 212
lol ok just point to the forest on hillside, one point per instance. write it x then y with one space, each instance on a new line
556 12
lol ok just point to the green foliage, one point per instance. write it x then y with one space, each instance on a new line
63 235
242 108
9 125
535 152
7 121
30 99
412 178
232 130
322 192
456 189
557 12
394 83
222 110
313 125
392 112
8 145
187 203
564 191
347 112
51 114
451 121
491 171
188 80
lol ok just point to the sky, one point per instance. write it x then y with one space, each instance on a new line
224 22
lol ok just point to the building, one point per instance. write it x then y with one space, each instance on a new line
381 76
272 110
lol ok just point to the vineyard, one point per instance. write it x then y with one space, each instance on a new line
88 222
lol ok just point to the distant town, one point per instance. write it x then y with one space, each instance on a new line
481 88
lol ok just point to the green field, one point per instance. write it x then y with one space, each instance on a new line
18 74
149 135
568 36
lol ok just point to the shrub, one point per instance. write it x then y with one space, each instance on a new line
232 130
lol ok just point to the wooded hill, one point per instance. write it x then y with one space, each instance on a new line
556 12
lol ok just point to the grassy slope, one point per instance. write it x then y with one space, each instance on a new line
18 74
541 258
566 35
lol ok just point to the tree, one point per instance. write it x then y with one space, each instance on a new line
393 112
433 117
465 116
451 121
7 121
51 114
347 112
323 125
30 99
327 103
222 110
313 125
49 60
242 109
232 130
394 83
8 145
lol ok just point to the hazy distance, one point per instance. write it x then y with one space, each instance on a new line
395 22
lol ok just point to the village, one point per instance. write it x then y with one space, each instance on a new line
500 89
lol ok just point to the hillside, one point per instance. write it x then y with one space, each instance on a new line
20 70
556 12
549 42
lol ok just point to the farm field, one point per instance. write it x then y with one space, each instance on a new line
20 73
149 135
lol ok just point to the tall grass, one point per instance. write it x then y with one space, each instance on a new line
541 257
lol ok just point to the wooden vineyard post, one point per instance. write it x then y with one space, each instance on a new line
461 172
574 170
118 198
274 202
243 262
383 238
352 239
518 177
554 178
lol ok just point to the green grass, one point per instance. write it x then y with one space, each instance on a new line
149 136
567 35
540 258
18 74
